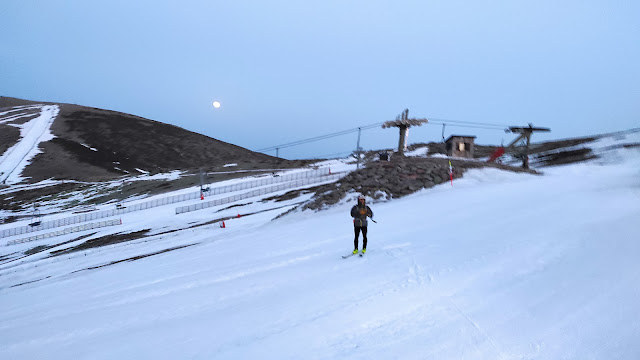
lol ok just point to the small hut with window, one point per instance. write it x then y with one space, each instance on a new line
460 146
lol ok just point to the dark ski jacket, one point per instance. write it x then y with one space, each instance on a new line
359 215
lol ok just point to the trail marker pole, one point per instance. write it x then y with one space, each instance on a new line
358 149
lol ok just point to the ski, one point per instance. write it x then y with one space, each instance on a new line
348 256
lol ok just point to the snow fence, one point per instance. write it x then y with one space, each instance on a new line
69 230
257 192
311 175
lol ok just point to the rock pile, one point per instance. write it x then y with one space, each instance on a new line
396 178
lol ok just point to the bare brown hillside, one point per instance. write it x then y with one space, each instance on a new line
95 145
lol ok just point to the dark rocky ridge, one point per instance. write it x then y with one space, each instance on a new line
396 178
7 102
544 154
405 175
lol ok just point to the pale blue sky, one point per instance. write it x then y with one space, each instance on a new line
288 70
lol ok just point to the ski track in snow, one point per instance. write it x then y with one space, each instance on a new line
32 133
14 117
17 109
499 266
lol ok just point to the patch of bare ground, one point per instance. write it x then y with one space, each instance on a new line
559 144
134 258
6 257
100 194
560 152
103 241
30 282
8 219
397 178
564 157
287 212
233 206
218 220
9 136
41 248
291 194
119 238
22 199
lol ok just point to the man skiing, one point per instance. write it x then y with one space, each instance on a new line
359 214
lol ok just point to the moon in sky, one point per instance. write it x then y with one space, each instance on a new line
216 104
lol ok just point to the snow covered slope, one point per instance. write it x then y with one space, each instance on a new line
498 266
32 133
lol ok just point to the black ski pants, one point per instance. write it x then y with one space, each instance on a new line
356 230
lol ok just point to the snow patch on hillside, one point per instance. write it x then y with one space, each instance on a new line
89 147
419 152
32 133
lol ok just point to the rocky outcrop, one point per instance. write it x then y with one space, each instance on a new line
396 178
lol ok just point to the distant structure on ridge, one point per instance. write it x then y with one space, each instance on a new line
403 123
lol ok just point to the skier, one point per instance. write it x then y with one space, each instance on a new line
359 214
